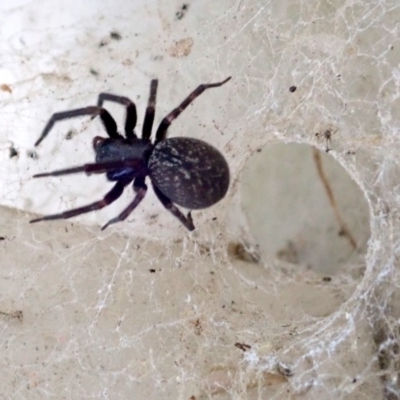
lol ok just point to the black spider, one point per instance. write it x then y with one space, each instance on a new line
185 171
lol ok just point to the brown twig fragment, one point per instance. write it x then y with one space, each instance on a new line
344 230
16 314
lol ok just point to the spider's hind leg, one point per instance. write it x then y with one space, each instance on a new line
140 189
174 210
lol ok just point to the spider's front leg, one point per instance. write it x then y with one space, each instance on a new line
94 168
131 114
109 198
161 133
107 119
174 210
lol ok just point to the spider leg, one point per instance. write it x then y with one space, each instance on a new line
174 210
95 168
150 110
107 119
131 115
140 189
166 122
109 198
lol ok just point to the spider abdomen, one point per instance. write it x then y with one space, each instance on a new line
190 172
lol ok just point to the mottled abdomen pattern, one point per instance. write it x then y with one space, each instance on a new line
190 172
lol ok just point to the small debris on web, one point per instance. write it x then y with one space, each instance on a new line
284 370
5 88
32 154
181 48
327 135
70 134
198 329
115 35
13 152
181 13
288 253
244 252
15 315
243 346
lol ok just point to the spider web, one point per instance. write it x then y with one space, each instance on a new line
288 288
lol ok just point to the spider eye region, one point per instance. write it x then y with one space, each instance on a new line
190 172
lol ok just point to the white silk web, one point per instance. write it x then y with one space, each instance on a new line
288 288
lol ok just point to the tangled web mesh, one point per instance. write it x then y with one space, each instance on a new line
148 310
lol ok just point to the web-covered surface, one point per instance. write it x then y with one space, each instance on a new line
146 309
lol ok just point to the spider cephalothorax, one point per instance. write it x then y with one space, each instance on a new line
184 171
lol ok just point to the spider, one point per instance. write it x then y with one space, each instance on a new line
183 171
